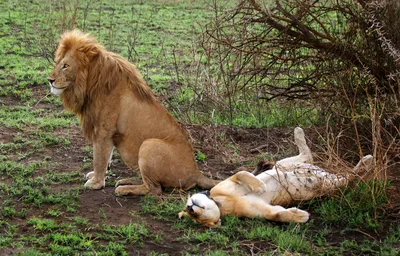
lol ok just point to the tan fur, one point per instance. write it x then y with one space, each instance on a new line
291 180
117 108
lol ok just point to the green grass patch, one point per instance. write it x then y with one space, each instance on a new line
161 209
358 207
39 203
131 233
21 117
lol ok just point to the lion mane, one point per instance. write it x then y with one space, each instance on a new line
105 70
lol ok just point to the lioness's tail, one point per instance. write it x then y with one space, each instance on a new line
205 182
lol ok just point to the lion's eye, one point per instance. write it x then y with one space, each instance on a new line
65 66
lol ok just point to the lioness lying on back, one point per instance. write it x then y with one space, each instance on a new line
245 195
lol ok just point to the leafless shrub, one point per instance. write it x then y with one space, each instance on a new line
342 56
59 16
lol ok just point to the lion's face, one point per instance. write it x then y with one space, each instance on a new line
63 75
202 209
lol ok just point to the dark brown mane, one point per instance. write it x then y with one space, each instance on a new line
99 72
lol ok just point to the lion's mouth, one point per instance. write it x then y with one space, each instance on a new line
55 89
52 83
58 88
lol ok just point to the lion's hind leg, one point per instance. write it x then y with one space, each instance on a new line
140 190
125 187
252 206
152 170
128 181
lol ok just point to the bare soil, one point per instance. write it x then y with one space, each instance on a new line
227 150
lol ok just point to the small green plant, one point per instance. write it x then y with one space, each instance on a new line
161 209
8 232
80 220
131 233
211 236
291 239
200 156
73 240
44 225
54 212
8 211
114 248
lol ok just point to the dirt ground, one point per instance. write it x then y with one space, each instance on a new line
226 149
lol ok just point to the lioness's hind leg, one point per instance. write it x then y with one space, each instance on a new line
249 181
292 215
304 156
301 143
365 164
253 206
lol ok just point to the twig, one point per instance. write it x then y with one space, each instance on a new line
259 148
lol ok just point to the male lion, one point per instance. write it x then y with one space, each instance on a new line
117 108
291 179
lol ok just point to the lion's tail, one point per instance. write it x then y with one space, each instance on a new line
206 183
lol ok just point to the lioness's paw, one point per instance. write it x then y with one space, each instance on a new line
299 215
95 184
89 175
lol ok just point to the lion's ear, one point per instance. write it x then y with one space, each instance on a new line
90 51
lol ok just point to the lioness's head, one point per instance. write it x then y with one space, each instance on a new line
202 209
73 55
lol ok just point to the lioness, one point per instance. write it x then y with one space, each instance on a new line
117 108
291 179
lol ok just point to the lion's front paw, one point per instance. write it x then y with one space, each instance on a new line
95 184
299 215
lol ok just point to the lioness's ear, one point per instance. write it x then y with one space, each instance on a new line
213 224
183 214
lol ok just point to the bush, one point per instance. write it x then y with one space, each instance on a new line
340 58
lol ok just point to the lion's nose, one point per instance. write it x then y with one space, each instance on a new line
50 80
189 208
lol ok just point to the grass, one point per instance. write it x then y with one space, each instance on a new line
42 211
355 207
